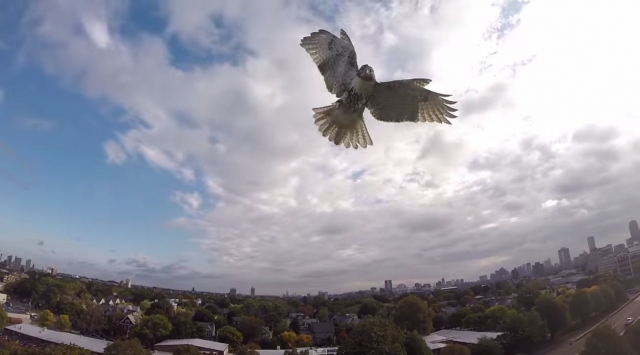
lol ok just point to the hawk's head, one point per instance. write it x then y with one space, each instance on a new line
366 73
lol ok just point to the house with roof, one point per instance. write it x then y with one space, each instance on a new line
205 346
440 339
346 319
46 336
129 321
209 330
322 333
267 333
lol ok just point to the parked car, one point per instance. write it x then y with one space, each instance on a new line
628 321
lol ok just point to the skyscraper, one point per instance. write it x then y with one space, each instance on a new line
9 261
388 285
592 244
253 291
547 263
634 230
27 265
528 266
232 292
564 258
17 263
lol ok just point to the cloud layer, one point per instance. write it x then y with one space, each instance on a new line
544 152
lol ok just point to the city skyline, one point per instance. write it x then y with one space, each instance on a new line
174 143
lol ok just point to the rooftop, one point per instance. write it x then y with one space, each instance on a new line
460 336
207 344
91 344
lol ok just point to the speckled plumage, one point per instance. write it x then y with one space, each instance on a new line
356 89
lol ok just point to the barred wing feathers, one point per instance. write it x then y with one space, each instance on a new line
335 57
408 101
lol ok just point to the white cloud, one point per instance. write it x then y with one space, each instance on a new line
538 93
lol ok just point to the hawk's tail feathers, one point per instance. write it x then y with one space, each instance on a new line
354 134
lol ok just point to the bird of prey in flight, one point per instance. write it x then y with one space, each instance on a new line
356 89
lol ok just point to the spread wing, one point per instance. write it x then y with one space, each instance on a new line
335 58
409 101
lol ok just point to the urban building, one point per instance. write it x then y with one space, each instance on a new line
323 294
27 265
528 267
618 264
9 261
547 263
17 263
564 258
619 248
592 244
538 269
483 278
634 230
515 274
127 283
253 291
232 291
388 285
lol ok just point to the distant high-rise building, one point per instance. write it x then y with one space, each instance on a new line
9 261
565 258
483 278
515 274
253 291
619 248
27 265
630 242
443 281
388 286
592 244
528 266
127 283
233 292
538 269
547 263
634 230
17 263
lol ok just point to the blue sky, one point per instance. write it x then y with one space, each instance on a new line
173 144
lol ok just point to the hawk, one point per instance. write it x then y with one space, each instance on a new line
356 89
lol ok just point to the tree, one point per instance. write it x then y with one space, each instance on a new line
413 314
486 346
244 350
632 337
303 340
619 291
438 322
580 306
527 297
415 345
553 312
455 349
597 301
374 336
46 319
152 329
323 314
144 306
204 316
250 327
608 295
182 326
289 339
521 332
230 335
295 326
186 350
126 347
4 318
213 308
368 309
92 320
64 323
605 341
162 307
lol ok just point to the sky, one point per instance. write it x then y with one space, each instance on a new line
174 143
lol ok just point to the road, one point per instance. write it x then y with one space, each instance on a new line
617 320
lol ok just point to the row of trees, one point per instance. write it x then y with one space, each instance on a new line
604 340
